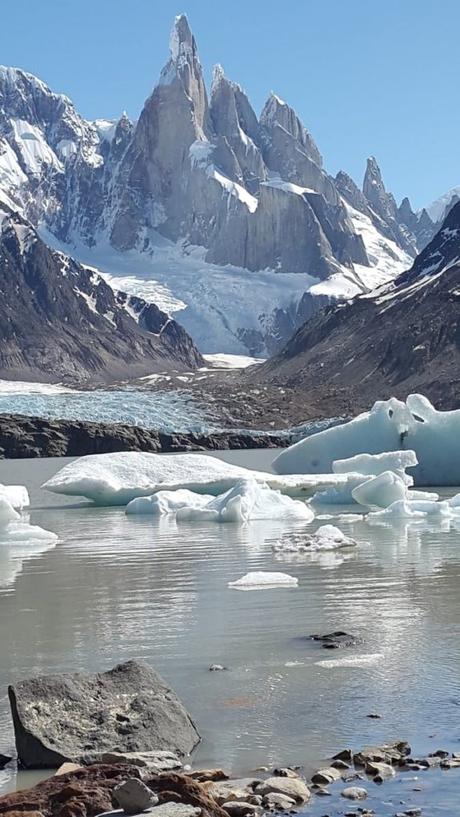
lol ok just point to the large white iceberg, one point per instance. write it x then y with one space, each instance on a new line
391 425
116 479
260 580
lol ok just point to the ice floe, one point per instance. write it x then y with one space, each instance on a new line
391 425
327 537
376 464
260 580
116 479
412 509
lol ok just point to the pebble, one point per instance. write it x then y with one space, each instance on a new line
217 668
236 808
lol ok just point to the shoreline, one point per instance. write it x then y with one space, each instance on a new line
24 437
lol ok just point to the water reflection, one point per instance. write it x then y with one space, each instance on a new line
116 587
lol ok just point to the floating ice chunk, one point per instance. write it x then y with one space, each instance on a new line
246 501
391 425
340 494
454 501
411 509
327 537
12 529
164 503
260 580
381 490
116 479
7 513
375 464
425 495
17 495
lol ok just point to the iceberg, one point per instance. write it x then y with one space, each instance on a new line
381 490
391 425
260 580
13 529
116 479
375 464
327 537
247 501
340 494
412 509
16 495
165 503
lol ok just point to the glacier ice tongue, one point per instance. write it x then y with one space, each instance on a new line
261 580
391 425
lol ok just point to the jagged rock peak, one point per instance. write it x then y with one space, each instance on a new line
182 42
350 191
276 112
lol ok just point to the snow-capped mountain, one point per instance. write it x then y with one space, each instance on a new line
60 320
404 337
226 219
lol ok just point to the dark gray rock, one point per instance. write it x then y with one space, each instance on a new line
60 718
335 640
4 760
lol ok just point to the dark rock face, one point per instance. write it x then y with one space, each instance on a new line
59 718
81 329
22 437
403 339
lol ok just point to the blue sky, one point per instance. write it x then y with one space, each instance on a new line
366 76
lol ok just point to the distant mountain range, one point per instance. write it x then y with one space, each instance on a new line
404 337
227 220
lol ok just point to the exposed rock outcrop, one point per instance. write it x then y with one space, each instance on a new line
60 320
22 437
404 338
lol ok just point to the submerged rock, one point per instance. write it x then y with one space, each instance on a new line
332 641
60 718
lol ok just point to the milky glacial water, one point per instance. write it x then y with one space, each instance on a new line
117 587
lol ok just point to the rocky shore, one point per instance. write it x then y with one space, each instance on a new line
22 437
67 722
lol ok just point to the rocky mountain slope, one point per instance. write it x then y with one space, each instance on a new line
404 337
61 321
200 204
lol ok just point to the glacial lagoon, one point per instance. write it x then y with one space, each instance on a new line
117 587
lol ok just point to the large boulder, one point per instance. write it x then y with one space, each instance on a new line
59 718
